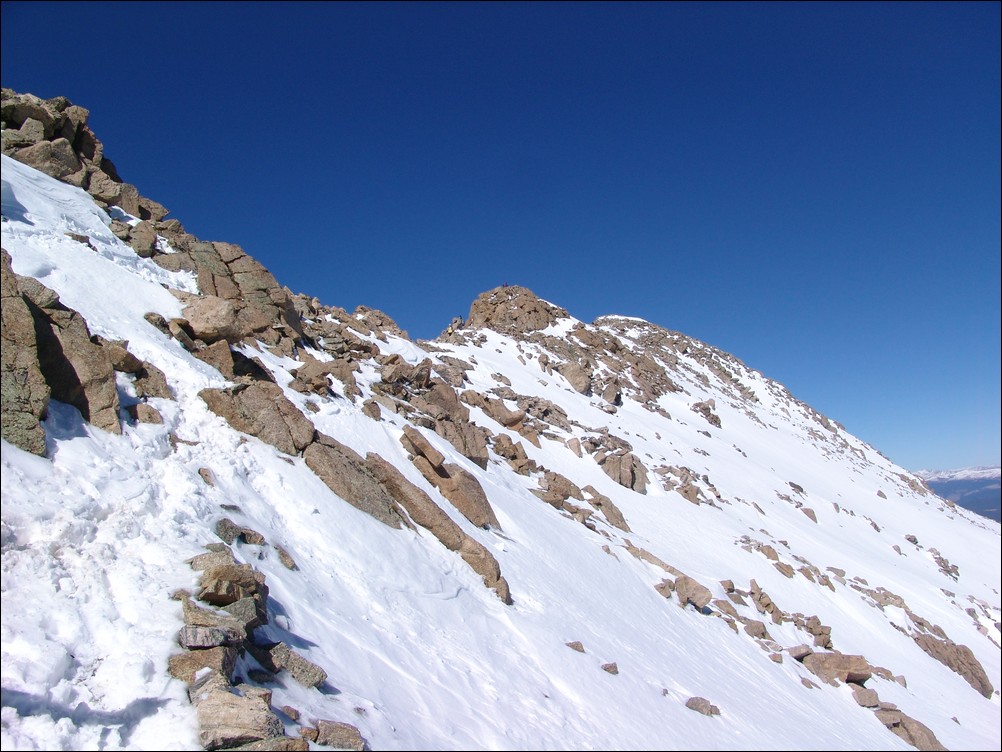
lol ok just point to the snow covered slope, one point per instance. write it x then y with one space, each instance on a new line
686 469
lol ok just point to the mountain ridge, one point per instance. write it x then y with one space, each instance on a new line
394 527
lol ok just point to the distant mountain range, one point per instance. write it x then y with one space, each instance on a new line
975 488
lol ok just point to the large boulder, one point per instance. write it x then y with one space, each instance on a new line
55 158
260 409
24 393
77 369
838 666
226 719
958 658
346 474
691 591
212 318
461 488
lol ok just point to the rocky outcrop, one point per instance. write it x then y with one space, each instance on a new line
346 474
691 591
455 483
260 409
24 393
958 658
49 352
52 136
426 513
512 310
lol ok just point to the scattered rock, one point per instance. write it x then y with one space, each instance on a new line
702 705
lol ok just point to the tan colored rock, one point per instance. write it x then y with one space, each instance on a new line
219 356
461 488
604 504
143 239
958 658
185 665
212 319
346 474
864 696
691 591
339 735
577 377
224 584
415 443
78 371
702 705
260 409
55 158
226 720
838 666
24 398
512 310
301 669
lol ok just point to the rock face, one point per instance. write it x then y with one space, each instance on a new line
52 136
25 393
512 310
345 472
261 410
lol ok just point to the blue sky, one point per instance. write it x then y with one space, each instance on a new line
814 188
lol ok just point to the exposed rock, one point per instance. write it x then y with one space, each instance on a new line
415 443
260 409
224 584
958 658
313 377
611 668
229 531
577 377
78 371
275 744
702 705
55 158
340 736
226 720
143 239
465 492
512 310
756 628
24 393
345 473
625 469
865 696
212 319
281 657
185 665
430 516
575 645
200 638
706 410
691 591
838 666
605 505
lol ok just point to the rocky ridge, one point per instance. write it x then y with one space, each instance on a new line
241 322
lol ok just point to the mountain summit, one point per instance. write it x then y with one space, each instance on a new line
237 515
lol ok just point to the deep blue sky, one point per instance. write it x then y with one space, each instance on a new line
811 187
